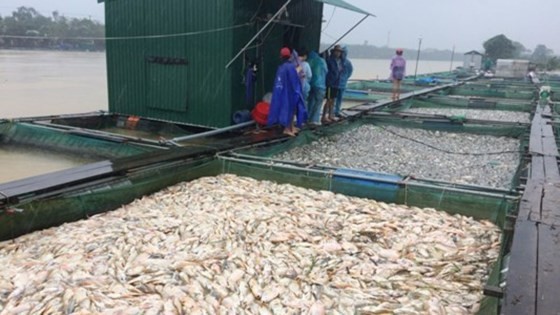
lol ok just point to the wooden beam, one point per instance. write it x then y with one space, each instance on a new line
521 289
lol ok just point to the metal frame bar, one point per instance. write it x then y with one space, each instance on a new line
98 134
348 32
327 170
259 33
211 132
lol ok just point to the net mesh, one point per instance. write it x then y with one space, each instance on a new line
80 204
55 140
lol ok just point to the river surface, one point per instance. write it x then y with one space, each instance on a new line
21 162
35 83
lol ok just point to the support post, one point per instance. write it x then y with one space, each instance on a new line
418 57
452 57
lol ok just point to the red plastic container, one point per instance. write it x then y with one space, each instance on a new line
260 113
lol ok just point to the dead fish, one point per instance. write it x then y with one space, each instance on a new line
224 245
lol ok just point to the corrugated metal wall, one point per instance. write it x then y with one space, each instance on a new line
143 82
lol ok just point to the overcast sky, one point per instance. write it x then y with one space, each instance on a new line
441 23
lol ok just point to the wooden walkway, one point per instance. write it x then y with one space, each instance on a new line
534 269
368 107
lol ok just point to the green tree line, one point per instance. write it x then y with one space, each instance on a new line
501 47
28 29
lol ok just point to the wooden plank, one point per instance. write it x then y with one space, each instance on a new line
384 102
30 185
352 113
521 289
551 168
549 146
548 270
529 207
537 168
360 108
550 209
547 128
535 140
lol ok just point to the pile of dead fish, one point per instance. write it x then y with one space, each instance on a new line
233 245
494 115
453 157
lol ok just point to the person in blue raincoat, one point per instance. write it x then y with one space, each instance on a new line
347 70
287 99
318 87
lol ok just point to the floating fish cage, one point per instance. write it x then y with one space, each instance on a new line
464 109
520 92
470 102
373 91
31 145
279 248
382 86
376 90
202 193
305 162
60 167
126 126
481 203
79 142
236 179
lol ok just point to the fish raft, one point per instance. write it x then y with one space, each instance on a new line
235 245
454 157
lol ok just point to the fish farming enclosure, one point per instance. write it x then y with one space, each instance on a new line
441 203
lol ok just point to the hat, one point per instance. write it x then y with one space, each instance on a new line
285 52
399 50
337 48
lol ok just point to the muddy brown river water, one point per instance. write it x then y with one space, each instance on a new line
36 83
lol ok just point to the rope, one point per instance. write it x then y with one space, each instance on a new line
4 195
329 22
329 36
216 30
447 151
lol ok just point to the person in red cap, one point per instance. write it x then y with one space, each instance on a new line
287 98
398 71
285 53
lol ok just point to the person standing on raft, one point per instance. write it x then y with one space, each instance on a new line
287 97
398 70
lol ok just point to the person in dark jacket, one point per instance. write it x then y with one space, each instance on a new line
347 70
335 66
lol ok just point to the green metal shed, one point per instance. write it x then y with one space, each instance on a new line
166 59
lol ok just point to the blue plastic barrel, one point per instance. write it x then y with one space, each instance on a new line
241 116
366 184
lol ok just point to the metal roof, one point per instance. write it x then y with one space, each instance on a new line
473 52
337 3
345 5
